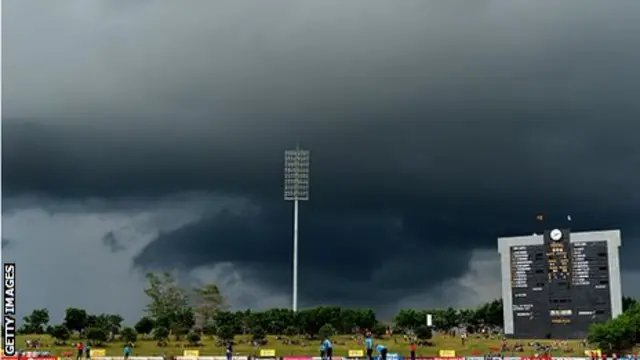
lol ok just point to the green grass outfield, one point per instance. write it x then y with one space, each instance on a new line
342 344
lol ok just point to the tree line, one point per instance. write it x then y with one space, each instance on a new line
181 314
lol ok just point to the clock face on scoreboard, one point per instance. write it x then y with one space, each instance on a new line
556 235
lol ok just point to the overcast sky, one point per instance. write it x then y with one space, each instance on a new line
142 135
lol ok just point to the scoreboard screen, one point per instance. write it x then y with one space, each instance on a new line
559 288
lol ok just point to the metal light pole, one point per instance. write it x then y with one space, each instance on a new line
296 188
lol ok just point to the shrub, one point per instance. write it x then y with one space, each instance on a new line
129 335
161 334
423 332
193 337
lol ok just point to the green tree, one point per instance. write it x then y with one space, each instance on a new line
97 335
75 319
326 331
311 320
619 334
128 335
169 303
628 303
275 321
182 322
445 319
114 322
491 314
209 329
60 333
36 322
353 319
379 330
111 323
258 334
423 332
410 319
469 320
144 325
225 333
208 300
229 320
291 331
161 335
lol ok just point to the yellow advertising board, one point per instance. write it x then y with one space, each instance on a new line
447 353
98 353
596 352
267 353
356 353
191 353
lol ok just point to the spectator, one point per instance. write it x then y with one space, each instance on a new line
368 344
328 348
229 350
87 352
80 349
127 351
412 349
323 350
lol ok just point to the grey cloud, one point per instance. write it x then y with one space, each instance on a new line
111 241
434 128
84 263
6 243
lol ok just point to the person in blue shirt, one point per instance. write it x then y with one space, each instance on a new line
382 351
323 350
328 348
368 344
127 351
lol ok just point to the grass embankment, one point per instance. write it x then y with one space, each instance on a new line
342 344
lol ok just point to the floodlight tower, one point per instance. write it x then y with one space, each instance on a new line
296 188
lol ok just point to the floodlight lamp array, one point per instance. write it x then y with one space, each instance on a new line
296 175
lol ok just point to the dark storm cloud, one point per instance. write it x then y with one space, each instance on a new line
353 248
351 254
433 128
